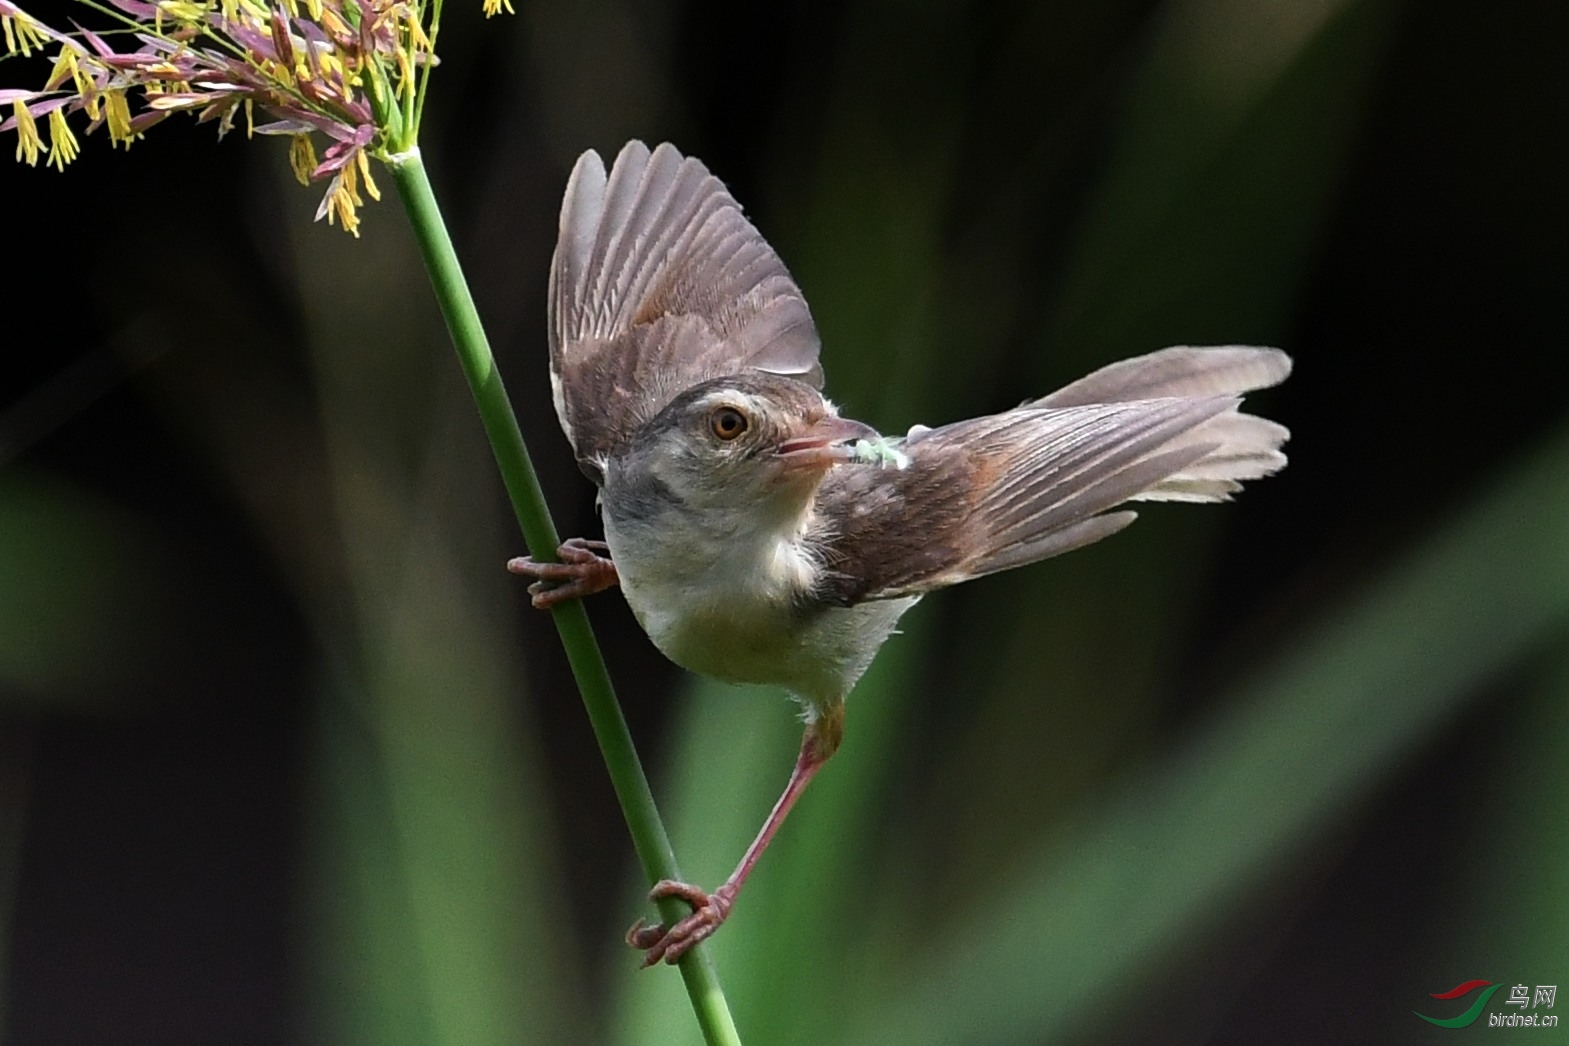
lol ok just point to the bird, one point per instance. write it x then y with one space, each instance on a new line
759 536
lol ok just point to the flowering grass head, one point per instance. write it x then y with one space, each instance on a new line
351 74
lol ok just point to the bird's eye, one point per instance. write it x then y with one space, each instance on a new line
727 423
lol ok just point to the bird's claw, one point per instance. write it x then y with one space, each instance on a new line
581 572
659 944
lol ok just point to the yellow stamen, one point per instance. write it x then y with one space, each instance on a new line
351 184
81 80
118 111
184 12
342 207
494 7
330 21
84 83
279 73
405 78
370 183
22 34
63 146
302 158
250 119
64 69
255 14
417 38
28 144
336 75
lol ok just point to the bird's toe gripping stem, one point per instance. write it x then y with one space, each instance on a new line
661 944
583 570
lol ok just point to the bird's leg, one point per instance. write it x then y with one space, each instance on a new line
709 910
581 572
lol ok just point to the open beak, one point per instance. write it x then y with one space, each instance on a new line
822 444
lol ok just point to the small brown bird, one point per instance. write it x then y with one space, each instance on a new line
761 538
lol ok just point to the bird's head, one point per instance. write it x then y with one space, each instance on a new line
759 440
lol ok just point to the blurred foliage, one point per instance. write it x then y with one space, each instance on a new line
284 756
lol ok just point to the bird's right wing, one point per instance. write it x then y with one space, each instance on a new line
659 282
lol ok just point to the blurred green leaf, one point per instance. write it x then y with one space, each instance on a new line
445 886
80 615
1137 874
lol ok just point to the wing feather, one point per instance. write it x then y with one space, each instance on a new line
658 283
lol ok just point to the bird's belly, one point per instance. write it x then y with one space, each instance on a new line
736 647
816 653
736 612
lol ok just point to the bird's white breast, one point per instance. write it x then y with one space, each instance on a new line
735 606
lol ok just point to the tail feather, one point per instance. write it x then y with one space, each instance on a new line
1180 371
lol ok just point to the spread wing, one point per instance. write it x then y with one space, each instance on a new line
1008 489
659 282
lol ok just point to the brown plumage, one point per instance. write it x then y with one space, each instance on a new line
628 329
761 538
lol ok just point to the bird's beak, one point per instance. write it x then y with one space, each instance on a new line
822 444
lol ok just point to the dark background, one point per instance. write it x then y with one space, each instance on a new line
285 757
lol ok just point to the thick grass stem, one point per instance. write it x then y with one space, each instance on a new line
539 533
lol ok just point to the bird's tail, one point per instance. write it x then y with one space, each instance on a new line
1245 446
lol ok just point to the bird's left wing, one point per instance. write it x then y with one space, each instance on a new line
659 282
1008 489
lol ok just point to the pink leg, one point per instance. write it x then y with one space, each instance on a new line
581 572
709 910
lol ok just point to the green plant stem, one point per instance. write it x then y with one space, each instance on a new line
539 533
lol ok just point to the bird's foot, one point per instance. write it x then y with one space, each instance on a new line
668 945
581 572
